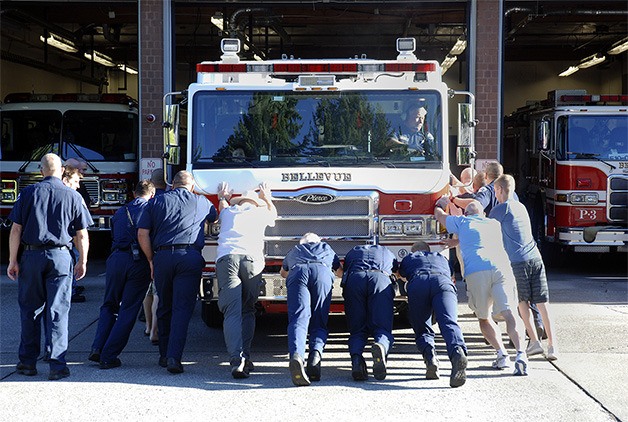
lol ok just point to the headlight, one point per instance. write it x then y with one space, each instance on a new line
590 198
413 228
392 227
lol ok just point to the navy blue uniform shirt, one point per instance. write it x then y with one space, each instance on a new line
370 257
49 213
122 233
421 261
311 252
177 218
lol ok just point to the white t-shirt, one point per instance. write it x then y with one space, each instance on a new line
242 231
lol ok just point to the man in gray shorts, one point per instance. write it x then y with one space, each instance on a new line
526 262
489 278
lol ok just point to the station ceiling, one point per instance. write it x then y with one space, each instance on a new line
534 30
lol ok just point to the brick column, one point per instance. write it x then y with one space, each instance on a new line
487 83
151 58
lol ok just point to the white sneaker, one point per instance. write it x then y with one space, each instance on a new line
501 362
552 353
534 348
521 365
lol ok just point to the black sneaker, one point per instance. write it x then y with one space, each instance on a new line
458 368
163 362
313 369
174 366
238 368
359 371
111 364
25 369
431 366
379 361
57 374
94 356
297 371
248 365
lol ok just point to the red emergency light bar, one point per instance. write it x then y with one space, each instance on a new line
301 68
594 99
26 97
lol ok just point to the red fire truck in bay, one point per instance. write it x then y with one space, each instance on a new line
569 155
328 138
100 129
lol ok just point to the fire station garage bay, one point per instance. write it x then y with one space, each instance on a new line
523 60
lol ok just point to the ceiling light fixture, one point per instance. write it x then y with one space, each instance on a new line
571 70
218 21
619 47
101 58
447 63
591 61
127 69
458 47
59 42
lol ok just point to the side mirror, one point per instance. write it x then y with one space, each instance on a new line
465 150
172 150
543 135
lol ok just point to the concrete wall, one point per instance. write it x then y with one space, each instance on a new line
19 78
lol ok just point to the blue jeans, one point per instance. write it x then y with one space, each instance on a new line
126 285
177 278
369 297
45 287
309 298
434 293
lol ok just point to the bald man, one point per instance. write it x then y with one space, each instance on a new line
171 235
43 217
489 277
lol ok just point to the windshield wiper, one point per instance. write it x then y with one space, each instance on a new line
37 154
80 154
592 155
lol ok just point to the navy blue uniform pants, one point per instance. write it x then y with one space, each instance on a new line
369 299
177 278
309 298
126 285
434 293
45 287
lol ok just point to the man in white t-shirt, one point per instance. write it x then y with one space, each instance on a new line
239 265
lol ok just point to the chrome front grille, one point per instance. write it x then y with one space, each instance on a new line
92 186
617 194
346 221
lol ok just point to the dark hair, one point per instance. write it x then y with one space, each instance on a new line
145 187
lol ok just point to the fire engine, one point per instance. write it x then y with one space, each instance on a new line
100 129
569 156
319 133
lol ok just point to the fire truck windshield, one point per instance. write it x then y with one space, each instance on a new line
91 135
317 128
592 135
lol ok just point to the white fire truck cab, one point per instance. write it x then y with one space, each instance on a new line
569 154
100 129
333 140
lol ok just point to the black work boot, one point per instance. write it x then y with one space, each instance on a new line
358 368
431 365
314 365
297 371
379 361
458 368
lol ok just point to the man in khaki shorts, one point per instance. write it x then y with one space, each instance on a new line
490 281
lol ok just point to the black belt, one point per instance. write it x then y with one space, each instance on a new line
127 249
173 247
429 273
43 247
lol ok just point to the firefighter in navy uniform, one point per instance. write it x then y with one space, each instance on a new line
42 219
171 235
432 291
369 299
127 279
309 271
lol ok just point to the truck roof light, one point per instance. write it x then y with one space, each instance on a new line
406 45
230 45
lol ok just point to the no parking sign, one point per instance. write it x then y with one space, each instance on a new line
148 165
